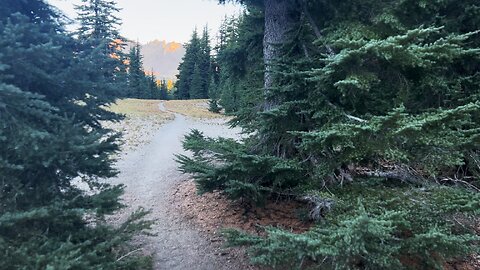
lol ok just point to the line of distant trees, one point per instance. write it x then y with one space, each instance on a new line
142 84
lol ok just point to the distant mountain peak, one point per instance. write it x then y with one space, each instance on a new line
172 46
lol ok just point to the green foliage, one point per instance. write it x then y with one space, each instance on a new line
54 154
400 93
58 236
136 75
36 11
447 135
196 88
392 227
213 106
140 84
163 91
62 150
195 71
224 164
384 89
99 31
46 219
240 61
98 20
229 98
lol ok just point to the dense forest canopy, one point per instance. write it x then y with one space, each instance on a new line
366 109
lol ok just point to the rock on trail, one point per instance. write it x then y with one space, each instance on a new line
150 174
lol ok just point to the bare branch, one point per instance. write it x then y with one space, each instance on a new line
128 254
460 181
320 206
351 117
401 173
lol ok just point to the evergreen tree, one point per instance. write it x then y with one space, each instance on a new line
187 67
140 84
195 69
213 106
281 18
240 63
98 20
137 81
163 90
205 63
152 86
197 85
36 11
369 112
213 91
53 150
99 32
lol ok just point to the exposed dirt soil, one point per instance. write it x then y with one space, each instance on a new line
188 227
214 212
150 175
470 263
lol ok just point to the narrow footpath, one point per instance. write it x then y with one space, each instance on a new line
150 174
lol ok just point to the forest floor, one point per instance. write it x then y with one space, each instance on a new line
154 131
188 226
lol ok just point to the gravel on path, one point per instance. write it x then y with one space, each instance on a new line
150 174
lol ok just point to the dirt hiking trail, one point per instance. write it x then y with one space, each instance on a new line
150 174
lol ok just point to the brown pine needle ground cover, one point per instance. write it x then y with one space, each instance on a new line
214 212
142 119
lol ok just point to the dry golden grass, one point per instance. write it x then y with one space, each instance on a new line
197 108
138 107
142 119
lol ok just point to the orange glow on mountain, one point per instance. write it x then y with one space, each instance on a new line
172 46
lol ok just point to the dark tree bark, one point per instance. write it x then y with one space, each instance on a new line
281 17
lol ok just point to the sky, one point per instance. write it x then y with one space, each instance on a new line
170 20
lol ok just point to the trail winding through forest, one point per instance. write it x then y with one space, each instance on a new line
150 174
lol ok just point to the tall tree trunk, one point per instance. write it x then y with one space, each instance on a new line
281 17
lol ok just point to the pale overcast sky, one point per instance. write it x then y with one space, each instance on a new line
171 20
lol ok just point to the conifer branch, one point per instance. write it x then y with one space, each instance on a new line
316 29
